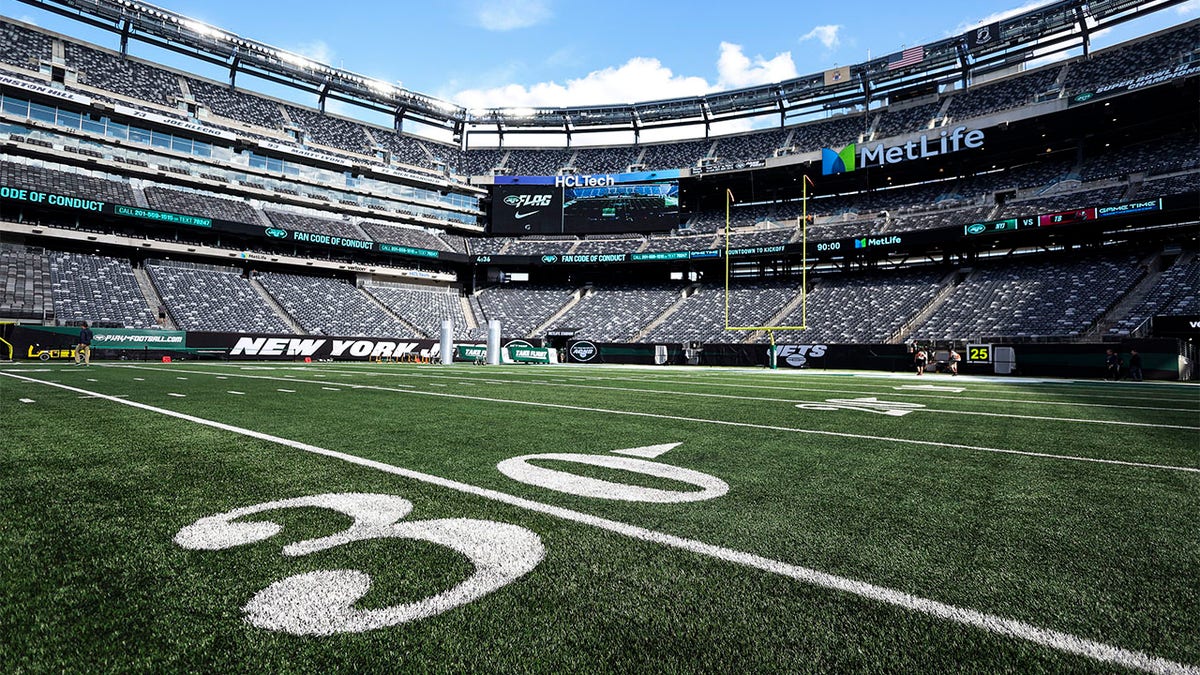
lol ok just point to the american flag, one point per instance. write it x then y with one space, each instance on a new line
906 58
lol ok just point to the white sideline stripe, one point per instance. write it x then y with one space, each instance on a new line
139 379
236 393
287 391
331 389
26 400
1046 637
748 425
177 395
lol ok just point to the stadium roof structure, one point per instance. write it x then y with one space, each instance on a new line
1053 28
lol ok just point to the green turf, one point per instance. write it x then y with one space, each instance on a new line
92 493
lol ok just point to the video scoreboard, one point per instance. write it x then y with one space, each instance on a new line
592 209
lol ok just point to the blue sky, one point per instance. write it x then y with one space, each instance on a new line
521 53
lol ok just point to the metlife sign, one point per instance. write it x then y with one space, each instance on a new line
527 209
862 155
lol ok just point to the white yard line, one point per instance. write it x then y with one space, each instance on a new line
744 425
1053 639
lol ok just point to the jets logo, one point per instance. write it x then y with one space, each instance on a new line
797 356
533 203
583 351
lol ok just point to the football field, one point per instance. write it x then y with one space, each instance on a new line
217 516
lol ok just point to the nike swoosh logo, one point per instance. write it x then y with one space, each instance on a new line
525 215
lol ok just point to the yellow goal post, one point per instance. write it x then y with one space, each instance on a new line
803 268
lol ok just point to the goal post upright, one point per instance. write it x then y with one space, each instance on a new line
728 202
803 269
804 252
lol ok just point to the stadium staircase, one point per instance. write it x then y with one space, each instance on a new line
674 307
1062 77
940 118
1154 266
468 311
150 293
481 316
274 304
139 197
578 295
355 223
366 292
948 284
760 335
1135 184
263 218
870 135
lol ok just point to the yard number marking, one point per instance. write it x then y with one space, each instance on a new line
868 404
519 469
322 602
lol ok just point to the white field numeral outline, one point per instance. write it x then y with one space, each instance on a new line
322 603
868 404
519 469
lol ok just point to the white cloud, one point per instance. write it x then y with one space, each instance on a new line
1188 8
505 15
638 79
826 35
736 70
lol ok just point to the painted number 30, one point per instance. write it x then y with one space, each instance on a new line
322 603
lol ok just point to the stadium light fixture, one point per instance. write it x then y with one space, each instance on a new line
202 29
381 88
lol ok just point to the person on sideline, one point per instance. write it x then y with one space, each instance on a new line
83 348
921 359
1113 363
955 357
1135 365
